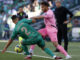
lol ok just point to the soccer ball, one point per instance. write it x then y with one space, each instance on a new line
18 49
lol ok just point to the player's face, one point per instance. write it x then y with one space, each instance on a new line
20 9
15 21
44 8
58 4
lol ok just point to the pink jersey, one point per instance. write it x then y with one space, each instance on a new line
49 18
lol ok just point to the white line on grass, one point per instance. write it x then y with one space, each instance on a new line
33 55
3 41
36 55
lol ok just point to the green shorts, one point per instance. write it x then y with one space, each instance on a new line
37 40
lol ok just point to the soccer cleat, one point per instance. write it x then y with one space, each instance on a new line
24 53
31 54
58 58
68 57
28 57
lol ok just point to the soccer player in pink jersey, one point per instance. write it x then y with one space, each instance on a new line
50 29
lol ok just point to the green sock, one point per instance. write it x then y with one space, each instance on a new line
25 49
49 52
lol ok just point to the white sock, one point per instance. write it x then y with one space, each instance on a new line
67 55
54 57
30 51
28 55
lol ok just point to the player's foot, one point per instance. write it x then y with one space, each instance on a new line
57 58
68 57
24 53
31 54
28 57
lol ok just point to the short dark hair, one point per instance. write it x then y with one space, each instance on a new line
21 7
45 4
14 17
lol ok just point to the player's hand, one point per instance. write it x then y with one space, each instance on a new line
4 50
33 20
66 22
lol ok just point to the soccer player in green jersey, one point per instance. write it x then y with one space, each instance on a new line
30 36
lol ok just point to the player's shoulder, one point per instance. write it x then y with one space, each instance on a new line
22 20
50 12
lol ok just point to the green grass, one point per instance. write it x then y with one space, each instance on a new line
74 50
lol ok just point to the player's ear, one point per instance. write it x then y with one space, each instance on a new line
13 21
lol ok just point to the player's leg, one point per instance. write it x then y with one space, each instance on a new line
43 32
20 39
24 46
52 33
25 49
31 49
41 44
27 42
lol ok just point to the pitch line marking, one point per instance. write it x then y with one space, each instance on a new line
36 55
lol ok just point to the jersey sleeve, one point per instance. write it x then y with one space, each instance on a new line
47 15
14 34
27 21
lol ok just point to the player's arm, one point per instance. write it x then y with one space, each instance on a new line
14 34
7 45
29 20
38 17
47 15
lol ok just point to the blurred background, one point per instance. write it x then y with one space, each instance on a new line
32 8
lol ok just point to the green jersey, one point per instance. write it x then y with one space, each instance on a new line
24 30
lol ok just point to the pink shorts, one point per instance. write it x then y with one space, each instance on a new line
49 31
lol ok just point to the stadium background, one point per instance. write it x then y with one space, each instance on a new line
10 7
32 8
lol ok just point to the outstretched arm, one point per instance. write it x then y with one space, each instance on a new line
7 45
38 17
29 20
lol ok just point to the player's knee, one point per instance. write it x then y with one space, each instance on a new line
55 44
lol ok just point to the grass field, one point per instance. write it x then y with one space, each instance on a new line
74 51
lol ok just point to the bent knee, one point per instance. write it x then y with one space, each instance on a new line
55 44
